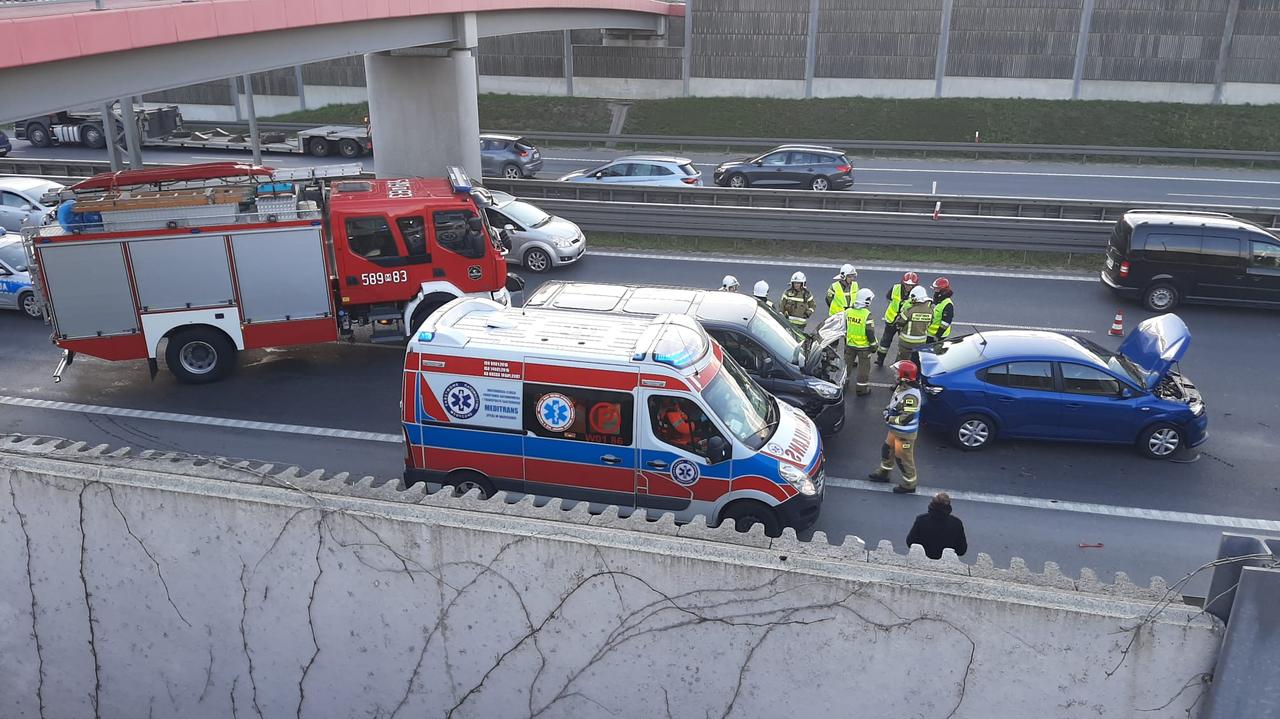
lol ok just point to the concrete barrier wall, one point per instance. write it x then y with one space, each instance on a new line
157 586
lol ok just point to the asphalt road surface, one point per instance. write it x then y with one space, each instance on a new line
1039 501
996 178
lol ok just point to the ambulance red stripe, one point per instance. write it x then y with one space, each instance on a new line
580 377
572 474
490 465
430 405
408 399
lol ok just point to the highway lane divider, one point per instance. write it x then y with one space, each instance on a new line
1022 224
1210 520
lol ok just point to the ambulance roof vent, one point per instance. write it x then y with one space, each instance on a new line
500 321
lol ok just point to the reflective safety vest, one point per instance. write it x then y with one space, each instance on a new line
856 323
839 299
916 321
936 323
903 413
895 303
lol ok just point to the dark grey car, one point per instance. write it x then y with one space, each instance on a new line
814 167
509 157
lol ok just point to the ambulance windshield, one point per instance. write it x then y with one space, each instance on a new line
744 408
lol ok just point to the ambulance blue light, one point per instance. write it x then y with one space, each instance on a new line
679 346
425 336
458 179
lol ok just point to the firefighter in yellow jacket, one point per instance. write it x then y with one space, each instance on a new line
860 340
842 291
895 301
913 323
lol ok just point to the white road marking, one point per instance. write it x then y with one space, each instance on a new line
1106 510
773 262
196 419
1224 197
1212 520
1070 174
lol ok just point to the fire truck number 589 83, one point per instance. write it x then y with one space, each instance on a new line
382 278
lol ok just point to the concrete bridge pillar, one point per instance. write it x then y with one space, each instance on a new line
424 111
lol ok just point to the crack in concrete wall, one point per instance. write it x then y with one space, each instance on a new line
562 614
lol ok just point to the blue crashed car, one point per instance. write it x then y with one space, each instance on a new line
1021 384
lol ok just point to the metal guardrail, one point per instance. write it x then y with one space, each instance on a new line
871 147
1003 207
871 228
1039 224
874 147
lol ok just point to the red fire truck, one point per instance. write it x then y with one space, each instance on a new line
202 261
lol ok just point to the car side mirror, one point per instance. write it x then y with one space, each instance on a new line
598 175
758 163
515 283
717 450
26 208
1126 393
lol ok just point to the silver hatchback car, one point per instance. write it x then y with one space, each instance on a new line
641 170
539 241
508 156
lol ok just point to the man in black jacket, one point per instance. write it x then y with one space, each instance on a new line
936 529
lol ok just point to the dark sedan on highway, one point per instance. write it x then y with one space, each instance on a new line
814 167
1020 384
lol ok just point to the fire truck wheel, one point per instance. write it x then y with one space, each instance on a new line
420 315
38 134
747 513
199 356
537 260
464 481
318 147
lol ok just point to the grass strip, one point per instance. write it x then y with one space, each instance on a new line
840 252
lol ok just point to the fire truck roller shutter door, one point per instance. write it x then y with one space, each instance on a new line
282 274
89 287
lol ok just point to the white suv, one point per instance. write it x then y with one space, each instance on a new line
641 170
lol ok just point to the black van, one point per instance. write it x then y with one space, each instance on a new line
802 371
1163 258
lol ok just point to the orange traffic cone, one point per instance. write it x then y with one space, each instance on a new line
1117 325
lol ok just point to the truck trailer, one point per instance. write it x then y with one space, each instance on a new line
200 262
163 127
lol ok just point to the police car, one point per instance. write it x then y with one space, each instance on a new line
16 292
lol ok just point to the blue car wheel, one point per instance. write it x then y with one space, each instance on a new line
973 432
1160 441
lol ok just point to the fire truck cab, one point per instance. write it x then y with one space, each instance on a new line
645 413
203 261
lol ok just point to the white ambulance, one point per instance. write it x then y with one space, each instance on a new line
644 413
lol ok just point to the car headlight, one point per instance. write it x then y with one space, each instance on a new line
1197 407
563 242
824 389
798 479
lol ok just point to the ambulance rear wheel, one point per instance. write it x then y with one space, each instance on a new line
747 513
464 481
200 356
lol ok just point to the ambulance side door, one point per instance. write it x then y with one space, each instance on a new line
677 472
580 442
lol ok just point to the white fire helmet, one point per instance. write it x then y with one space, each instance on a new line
729 283
919 294
863 298
798 277
847 271
761 289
